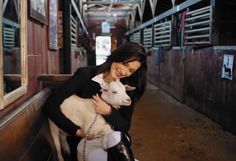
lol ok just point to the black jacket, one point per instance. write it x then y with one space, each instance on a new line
82 85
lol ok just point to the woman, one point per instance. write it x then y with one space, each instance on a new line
128 63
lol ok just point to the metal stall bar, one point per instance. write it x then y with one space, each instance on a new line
136 37
197 28
8 37
147 37
162 34
170 12
73 31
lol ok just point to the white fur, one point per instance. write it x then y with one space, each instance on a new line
81 112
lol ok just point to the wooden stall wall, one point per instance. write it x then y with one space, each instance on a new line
153 72
23 126
206 91
190 67
166 70
40 58
25 135
172 72
194 78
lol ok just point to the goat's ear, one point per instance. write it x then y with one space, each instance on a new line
129 88
104 88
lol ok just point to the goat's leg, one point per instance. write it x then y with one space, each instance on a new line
55 131
64 144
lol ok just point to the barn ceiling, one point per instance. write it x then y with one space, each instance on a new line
128 10
104 8
109 10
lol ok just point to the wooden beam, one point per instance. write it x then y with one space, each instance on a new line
111 2
4 6
54 77
111 10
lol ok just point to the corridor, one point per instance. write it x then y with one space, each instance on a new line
163 129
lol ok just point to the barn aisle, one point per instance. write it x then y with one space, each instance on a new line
165 130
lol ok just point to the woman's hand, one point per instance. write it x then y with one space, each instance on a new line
101 107
82 134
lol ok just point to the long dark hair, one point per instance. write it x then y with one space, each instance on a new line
129 51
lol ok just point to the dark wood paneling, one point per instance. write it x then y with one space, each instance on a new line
202 77
53 80
32 75
53 62
24 134
30 39
166 70
172 79
154 68
38 42
36 148
206 91
194 77
44 55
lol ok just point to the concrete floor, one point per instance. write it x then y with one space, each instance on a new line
163 129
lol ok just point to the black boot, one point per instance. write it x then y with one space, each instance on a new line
121 151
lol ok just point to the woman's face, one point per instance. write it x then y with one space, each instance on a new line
120 70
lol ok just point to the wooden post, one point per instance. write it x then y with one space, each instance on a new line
66 6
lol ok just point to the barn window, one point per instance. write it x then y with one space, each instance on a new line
13 81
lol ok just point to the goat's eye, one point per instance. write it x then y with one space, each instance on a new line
114 92
105 90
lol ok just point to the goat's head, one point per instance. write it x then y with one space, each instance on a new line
115 94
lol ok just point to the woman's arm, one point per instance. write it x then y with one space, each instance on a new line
120 119
52 110
52 105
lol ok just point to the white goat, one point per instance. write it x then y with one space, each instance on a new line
82 113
